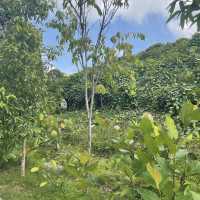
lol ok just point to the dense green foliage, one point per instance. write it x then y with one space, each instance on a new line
166 75
187 11
149 161
10 120
169 75
26 9
22 75
144 128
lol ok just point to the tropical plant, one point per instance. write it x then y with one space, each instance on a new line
154 161
187 11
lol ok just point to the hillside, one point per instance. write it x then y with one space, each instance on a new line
170 74
166 75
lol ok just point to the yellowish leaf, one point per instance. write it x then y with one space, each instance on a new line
171 128
34 169
54 164
155 174
43 184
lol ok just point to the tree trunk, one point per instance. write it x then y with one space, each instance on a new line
90 134
23 161
89 108
101 98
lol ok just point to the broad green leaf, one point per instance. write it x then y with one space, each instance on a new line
54 164
54 133
182 196
181 154
84 158
185 113
41 117
148 195
189 137
124 151
155 174
195 114
43 184
195 195
100 89
156 131
146 124
34 169
171 128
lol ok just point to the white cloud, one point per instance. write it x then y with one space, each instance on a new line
175 28
139 10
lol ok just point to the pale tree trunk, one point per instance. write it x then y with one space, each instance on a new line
23 161
90 134
89 108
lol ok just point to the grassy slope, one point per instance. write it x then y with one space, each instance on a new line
15 187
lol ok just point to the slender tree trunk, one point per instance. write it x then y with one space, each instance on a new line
23 161
88 115
86 96
90 134
101 98
89 107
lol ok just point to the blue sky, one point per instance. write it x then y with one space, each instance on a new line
145 16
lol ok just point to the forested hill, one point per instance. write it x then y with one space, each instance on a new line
159 80
170 74
179 48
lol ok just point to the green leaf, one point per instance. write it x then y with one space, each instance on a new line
43 184
185 112
195 196
34 169
195 115
100 89
155 174
54 164
84 158
188 113
148 195
171 128
146 124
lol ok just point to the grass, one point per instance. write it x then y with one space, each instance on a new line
15 187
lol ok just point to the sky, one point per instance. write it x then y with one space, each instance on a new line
143 16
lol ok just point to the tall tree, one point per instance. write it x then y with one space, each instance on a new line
27 9
22 72
21 63
88 52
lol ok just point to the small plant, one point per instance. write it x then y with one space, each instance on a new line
152 161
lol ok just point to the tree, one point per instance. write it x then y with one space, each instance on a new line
22 75
118 75
187 11
88 53
22 72
27 9
9 122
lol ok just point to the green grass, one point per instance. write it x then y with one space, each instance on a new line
15 187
